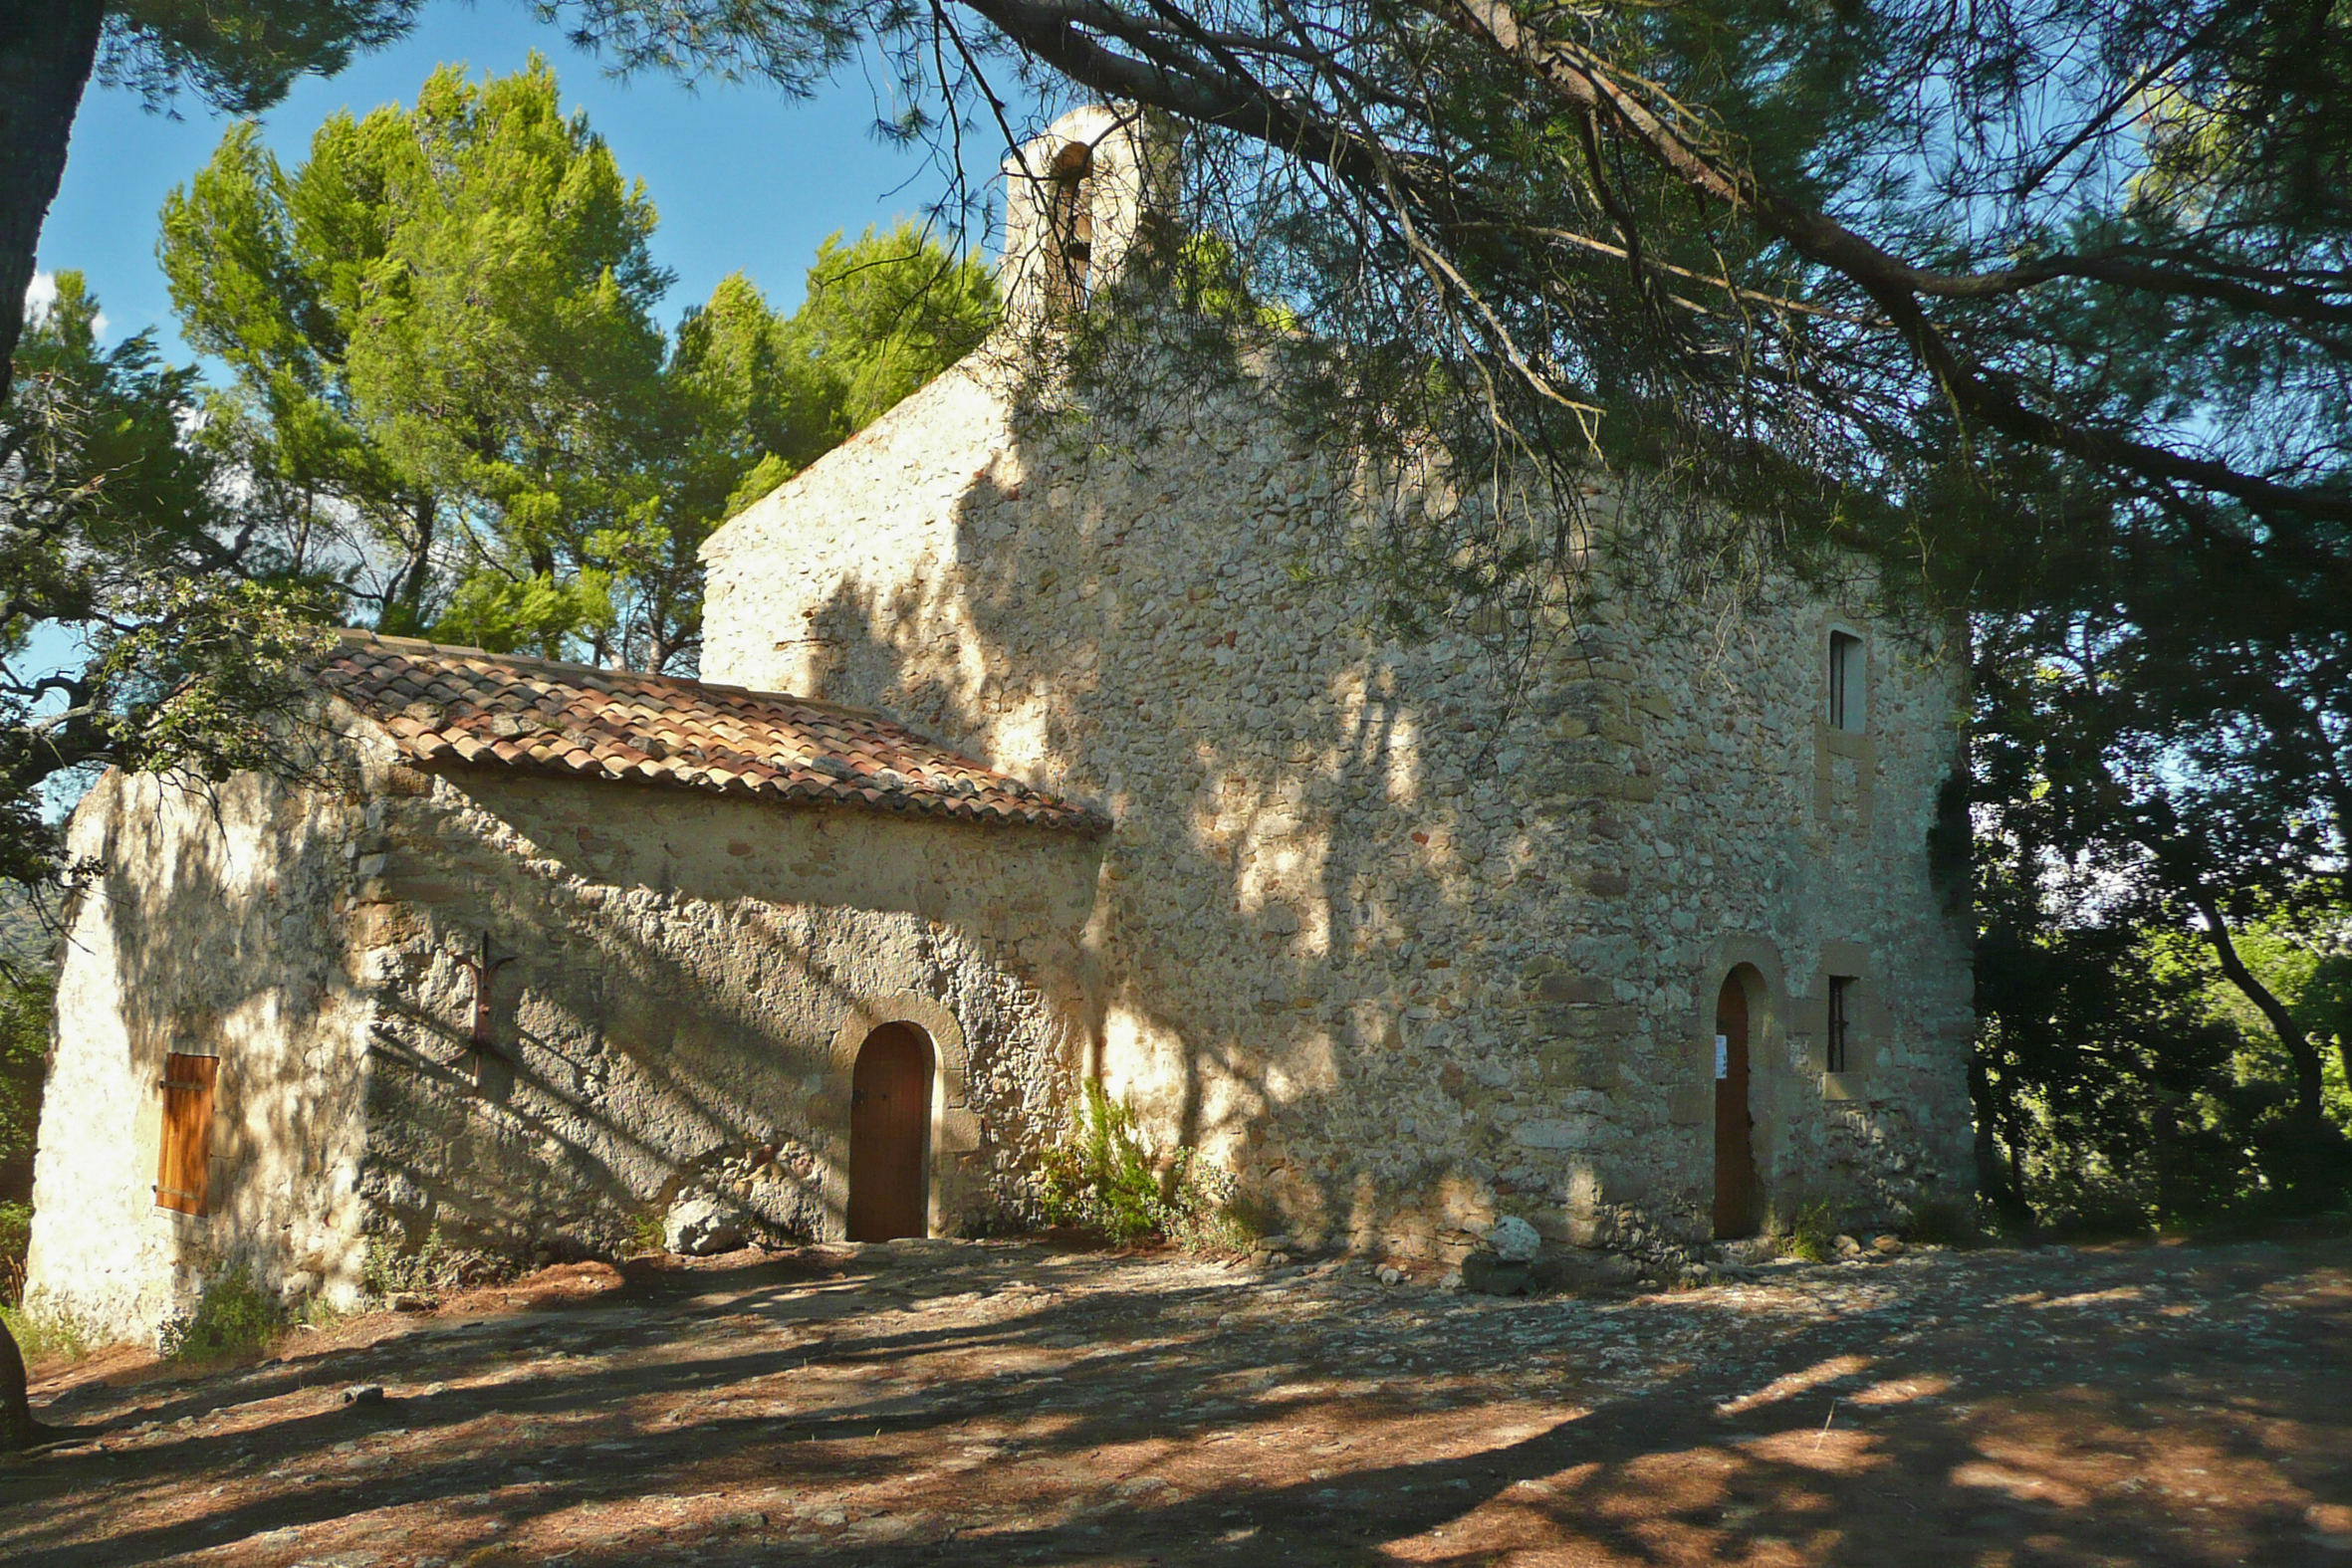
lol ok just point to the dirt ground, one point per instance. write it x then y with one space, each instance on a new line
1002 1403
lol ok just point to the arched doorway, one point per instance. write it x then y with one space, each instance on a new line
1734 1150
890 1135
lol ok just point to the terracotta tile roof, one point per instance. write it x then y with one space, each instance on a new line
446 706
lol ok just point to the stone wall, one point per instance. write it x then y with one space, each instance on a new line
1403 948
681 984
207 931
685 983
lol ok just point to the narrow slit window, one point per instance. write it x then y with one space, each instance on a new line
184 1173
1848 693
1840 1024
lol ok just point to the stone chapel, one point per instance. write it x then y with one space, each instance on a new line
1014 763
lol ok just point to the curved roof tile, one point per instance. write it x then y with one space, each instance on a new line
541 716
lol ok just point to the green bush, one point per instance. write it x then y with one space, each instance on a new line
317 1312
42 1335
1812 1235
2126 1085
16 1235
1105 1176
1939 1223
431 1267
233 1317
26 998
649 1232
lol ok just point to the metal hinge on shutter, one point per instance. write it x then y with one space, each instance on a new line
180 1083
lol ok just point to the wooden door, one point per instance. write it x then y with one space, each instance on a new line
890 1135
1735 1156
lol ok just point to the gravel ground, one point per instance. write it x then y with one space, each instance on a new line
1002 1403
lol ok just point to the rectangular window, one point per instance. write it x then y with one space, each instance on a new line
1848 693
1841 1012
184 1173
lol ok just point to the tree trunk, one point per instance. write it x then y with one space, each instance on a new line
2162 1128
46 51
18 1429
403 610
1995 1180
2308 1104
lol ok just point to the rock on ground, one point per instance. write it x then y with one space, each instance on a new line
700 1226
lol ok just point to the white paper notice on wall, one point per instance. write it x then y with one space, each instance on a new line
1723 1056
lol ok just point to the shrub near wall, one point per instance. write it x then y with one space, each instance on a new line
1102 1175
233 1318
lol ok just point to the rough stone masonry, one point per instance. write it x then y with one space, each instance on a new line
1407 946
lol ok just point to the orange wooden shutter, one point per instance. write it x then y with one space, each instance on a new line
184 1171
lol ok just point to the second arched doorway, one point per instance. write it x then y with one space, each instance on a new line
890 1135
1735 1124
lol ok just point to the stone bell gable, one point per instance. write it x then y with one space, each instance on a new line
1641 942
1077 200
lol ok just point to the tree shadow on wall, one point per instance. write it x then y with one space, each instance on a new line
667 1057
624 1060
1335 853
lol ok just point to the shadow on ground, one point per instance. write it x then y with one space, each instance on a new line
998 1403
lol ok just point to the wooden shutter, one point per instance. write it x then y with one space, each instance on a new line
184 1173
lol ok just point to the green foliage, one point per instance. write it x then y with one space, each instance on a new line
1939 1223
391 1266
27 996
430 1268
45 1335
209 669
765 475
502 612
318 1314
232 1318
1104 1176
16 1235
2160 892
2302 954
1209 278
240 55
1812 1233
443 330
192 608
1101 1175
2123 1082
882 317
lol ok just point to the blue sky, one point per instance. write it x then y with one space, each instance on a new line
744 178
